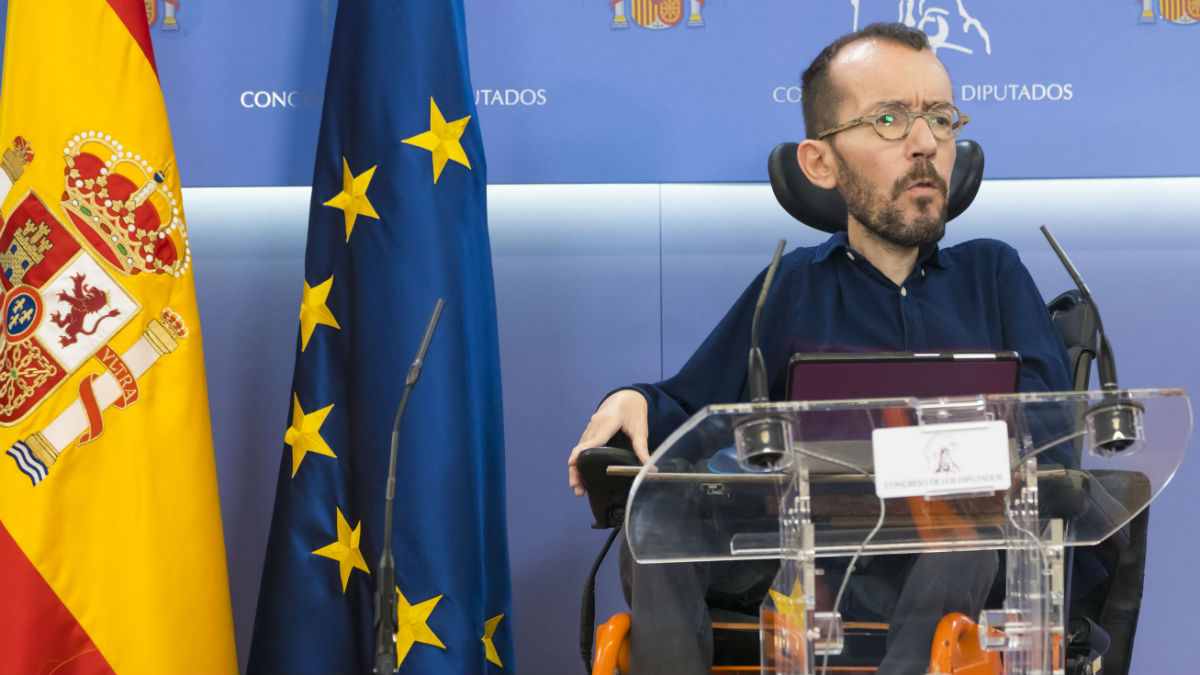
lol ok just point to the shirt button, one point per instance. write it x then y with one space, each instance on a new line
903 292
849 255
922 271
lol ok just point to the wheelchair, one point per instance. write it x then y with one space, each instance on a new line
1101 626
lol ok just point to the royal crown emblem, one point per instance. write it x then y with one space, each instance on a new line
61 297
123 207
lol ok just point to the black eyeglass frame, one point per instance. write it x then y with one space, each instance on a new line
911 115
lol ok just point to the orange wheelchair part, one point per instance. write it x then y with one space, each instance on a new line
955 650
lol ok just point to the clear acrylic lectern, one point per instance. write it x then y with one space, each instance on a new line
859 499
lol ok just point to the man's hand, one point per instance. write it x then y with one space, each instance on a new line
625 410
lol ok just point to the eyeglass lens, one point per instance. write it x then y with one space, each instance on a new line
894 122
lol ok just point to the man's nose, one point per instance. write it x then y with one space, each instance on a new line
921 141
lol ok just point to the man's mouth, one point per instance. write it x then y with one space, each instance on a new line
924 185
923 180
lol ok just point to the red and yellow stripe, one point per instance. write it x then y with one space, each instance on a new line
1180 10
645 12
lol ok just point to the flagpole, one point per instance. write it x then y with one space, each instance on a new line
385 592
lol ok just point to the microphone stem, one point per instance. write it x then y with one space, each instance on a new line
762 294
1106 366
756 370
386 601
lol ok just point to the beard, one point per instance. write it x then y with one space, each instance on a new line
883 218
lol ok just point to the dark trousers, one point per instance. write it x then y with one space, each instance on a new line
672 629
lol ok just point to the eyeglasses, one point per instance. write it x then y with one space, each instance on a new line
945 121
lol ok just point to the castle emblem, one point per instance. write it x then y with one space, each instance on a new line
656 14
28 247
63 300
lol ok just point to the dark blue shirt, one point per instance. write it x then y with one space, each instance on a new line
976 296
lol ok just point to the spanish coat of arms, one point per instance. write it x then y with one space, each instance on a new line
62 298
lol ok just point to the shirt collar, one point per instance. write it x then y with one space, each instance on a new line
835 244
929 254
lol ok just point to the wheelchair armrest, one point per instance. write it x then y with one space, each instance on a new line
606 494
1062 495
1114 489
1067 496
1077 323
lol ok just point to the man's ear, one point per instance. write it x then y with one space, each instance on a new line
817 162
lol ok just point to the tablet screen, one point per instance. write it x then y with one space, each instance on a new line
817 377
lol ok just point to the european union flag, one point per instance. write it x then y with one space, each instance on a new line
397 220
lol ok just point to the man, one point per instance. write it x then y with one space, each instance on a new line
880 122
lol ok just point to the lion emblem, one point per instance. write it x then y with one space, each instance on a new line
84 300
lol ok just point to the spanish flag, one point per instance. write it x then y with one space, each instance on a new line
111 551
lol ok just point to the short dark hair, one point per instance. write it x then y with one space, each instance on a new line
819 97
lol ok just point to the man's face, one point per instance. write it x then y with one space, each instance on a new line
879 210
896 190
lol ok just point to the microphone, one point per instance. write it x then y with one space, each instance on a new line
756 370
386 602
762 442
1115 423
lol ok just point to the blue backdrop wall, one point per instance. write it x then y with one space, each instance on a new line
628 210
567 94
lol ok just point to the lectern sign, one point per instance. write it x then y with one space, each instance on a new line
941 459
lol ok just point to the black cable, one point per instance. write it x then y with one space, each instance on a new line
587 611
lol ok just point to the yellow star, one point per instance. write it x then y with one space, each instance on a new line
412 626
442 140
790 606
313 310
352 200
305 433
345 549
489 630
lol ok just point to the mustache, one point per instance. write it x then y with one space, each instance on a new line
920 172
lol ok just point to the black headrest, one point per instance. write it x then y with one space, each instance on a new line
825 210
